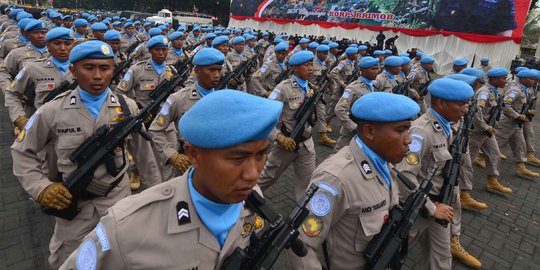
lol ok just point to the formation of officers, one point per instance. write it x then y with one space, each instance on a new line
212 147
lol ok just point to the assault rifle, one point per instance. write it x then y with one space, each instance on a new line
263 251
352 77
286 73
61 88
120 68
402 88
322 80
383 249
531 103
423 89
237 74
133 46
495 113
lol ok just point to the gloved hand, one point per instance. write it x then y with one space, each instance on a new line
315 88
55 196
16 131
180 162
21 121
148 120
521 118
232 83
531 113
490 131
418 98
287 143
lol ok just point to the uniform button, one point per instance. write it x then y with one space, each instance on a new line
166 191
348 156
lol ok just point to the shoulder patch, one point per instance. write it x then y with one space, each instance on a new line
412 159
275 93
346 93
328 187
263 69
415 146
31 120
365 166
484 96
128 75
87 256
320 205
165 109
312 226
418 136
182 212
20 74
340 66
102 237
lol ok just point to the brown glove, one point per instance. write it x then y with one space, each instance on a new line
521 118
148 119
418 98
21 121
490 131
180 162
315 88
55 196
287 143
531 113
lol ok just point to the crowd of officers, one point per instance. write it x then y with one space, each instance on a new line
217 148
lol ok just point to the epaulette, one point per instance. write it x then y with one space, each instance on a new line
131 204
61 95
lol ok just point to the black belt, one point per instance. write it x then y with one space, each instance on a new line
434 198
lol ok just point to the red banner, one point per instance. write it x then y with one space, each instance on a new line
483 21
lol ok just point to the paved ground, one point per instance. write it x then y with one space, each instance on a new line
504 236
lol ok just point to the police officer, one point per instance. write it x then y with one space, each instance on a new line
129 37
386 81
141 53
15 60
176 50
193 38
264 40
9 44
195 221
208 38
339 75
68 121
365 84
356 188
80 28
458 65
233 60
143 34
484 65
208 64
98 30
420 77
293 92
510 128
302 45
112 37
263 81
312 47
319 67
67 21
269 53
528 132
144 76
431 136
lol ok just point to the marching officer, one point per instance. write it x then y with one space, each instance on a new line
302 45
233 60
420 77
528 132
129 37
113 38
98 30
369 67
80 28
193 38
386 81
431 137
176 50
484 65
263 81
356 188
293 92
9 44
459 64
197 220
68 121
319 67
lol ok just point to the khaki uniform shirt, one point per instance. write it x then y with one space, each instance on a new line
429 146
42 76
384 83
485 102
349 208
167 241
125 42
141 53
14 63
419 76
514 99
263 80
173 58
67 122
354 91
192 40
140 80
342 71
8 45
172 110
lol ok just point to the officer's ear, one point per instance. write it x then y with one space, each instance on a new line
72 70
193 153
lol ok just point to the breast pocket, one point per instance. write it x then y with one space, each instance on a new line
65 146
370 225
441 156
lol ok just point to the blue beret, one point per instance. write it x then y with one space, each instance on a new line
36 25
116 17
518 69
85 15
219 40
282 47
91 49
59 33
154 32
537 73
362 48
196 28
484 59
162 27
405 59
373 107
354 45
278 40
67 18
527 74
323 48
181 28
405 54
478 74
137 23
388 52
159 41
393 61
351 50
419 54
150 24
460 62
56 15
265 33
238 40
210 35
237 31
80 23
325 42
301 57
303 40
207 57
14 12
333 45
99 27
92 18
112 35
23 15
378 52
227 118
23 23
128 24
426 59
226 32
463 77
176 35
123 18
497 72
250 37
313 45
42 13
451 90
368 61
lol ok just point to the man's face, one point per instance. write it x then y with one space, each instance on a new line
322 55
389 140
130 31
223 48
99 35
37 37
251 43
453 110
303 46
208 76
93 75
115 45
363 53
280 56
529 82
177 43
334 51
406 68
393 70
370 73
82 30
60 48
484 63
499 82
458 68
57 21
428 67
159 54
117 28
228 175
239 48
304 71
68 24
196 33
138 27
